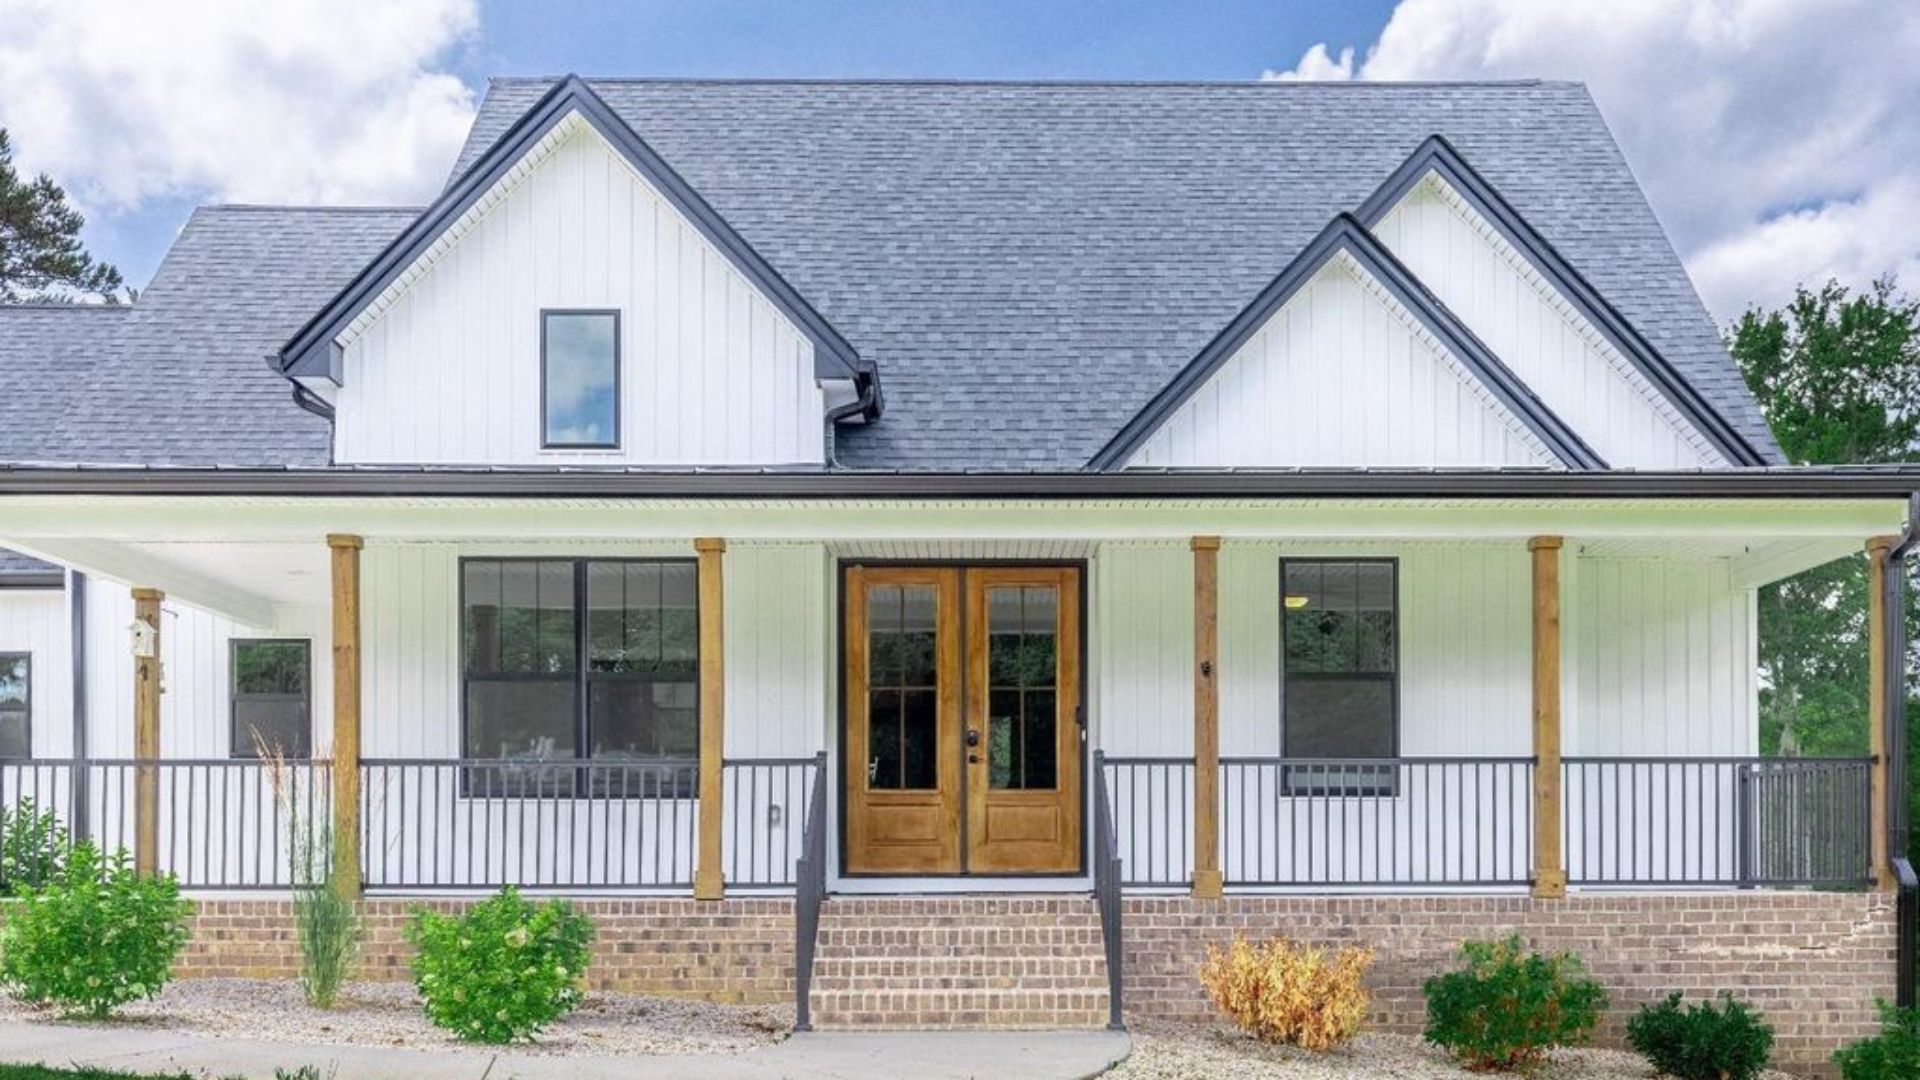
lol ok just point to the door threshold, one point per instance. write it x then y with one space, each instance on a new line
958 886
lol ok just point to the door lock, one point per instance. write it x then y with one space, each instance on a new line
973 740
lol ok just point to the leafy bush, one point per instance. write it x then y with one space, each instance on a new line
96 938
1894 1054
503 969
1286 993
1703 1041
33 847
1508 1007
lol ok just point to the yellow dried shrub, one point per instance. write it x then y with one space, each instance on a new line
1281 992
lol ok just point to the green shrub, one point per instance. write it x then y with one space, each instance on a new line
503 969
33 847
1508 1007
95 938
1703 1041
1894 1054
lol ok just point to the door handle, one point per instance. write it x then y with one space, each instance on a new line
973 737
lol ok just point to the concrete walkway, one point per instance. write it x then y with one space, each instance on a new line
968 1055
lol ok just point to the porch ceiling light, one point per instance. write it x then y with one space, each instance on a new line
1295 603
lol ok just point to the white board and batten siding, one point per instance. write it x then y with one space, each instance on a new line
1530 325
445 368
1342 375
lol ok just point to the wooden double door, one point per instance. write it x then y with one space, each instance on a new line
963 722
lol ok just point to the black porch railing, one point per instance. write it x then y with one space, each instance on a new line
810 892
1106 894
1726 821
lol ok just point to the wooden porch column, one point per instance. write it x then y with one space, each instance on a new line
1877 711
147 674
1207 882
1549 869
708 883
345 553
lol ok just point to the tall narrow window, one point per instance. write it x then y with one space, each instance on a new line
272 696
1339 626
580 379
574 659
16 705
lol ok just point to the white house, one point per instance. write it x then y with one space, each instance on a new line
761 498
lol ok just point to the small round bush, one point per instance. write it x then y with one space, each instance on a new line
1507 1008
95 938
1292 994
503 969
1894 1054
1703 1041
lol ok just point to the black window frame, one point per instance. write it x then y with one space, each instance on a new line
244 749
27 656
1313 781
546 315
480 779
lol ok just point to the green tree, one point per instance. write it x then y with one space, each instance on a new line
41 257
1837 375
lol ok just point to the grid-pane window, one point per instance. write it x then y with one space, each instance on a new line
16 705
1340 659
580 379
581 659
903 688
272 695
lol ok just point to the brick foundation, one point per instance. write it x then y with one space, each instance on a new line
1812 962
733 950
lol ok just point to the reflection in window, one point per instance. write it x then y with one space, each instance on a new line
1023 721
903 688
271 691
580 372
16 705
582 659
1341 686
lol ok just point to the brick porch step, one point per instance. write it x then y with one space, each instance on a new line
1017 962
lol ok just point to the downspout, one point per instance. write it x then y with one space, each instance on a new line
867 404
302 396
1899 827
80 812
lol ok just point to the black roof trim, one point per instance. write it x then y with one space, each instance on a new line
1346 233
310 352
1437 155
1804 482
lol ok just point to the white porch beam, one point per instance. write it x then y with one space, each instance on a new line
152 519
112 560
1774 562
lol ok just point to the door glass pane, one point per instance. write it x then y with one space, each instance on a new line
903 682
1022 672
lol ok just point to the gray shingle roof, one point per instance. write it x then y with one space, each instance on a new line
14 564
182 379
1029 263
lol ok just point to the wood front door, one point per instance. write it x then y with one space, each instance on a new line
963 735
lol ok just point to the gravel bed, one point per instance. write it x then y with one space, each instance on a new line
389 1014
1166 1052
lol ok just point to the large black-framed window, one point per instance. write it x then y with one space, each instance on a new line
580 379
16 705
270 696
583 660
1340 671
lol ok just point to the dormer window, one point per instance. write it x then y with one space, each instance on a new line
580 380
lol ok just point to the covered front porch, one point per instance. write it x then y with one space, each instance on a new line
1242 694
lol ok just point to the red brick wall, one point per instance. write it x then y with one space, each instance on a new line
1812 962
733 950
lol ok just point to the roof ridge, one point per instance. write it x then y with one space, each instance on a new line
1065 83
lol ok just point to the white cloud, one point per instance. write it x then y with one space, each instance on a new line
1777 139
339 101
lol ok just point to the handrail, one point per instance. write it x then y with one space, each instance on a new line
810 891
1106 893
1907 931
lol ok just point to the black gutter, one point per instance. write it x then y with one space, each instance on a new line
1887 482
1899 827
35 579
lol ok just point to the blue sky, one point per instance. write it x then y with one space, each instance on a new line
1776 140
986 39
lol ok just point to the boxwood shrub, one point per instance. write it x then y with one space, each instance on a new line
1703 1041
1506 1008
